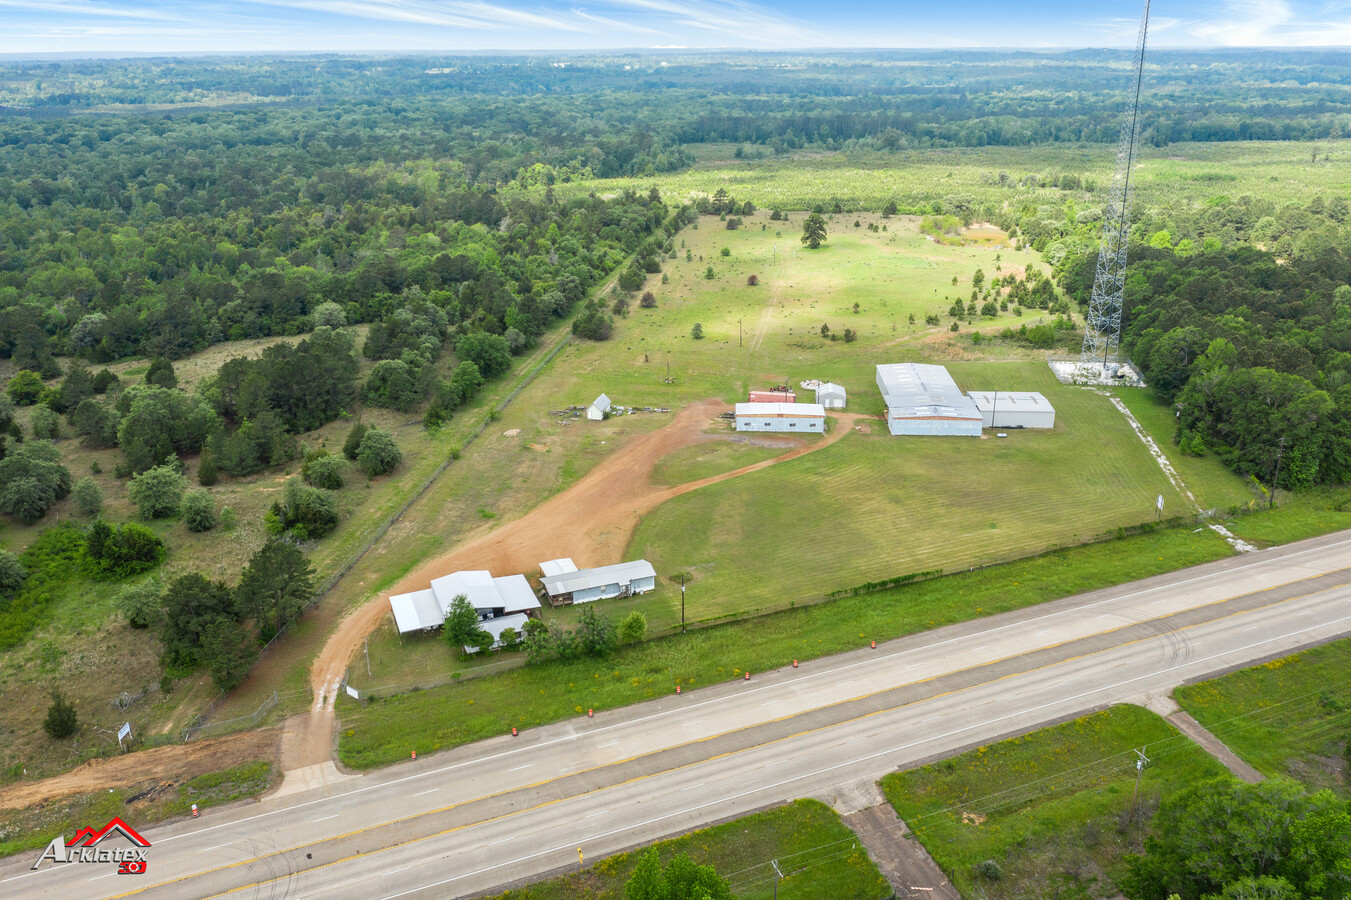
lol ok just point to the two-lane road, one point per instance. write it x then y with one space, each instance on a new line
481 816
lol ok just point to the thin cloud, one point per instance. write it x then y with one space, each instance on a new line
76 8
614 23
479 16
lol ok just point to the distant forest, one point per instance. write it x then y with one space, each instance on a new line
157 206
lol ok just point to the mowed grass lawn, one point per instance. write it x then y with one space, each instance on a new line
873 506
819 856
1050 808
384 731
1290 716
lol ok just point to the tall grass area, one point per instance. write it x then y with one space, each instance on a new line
1290 716
1051 809
817 852
1297 516
1279 170
383 731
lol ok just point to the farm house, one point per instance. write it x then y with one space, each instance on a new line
1014 409
603 583
494 598
830 395
923 399
598 408
791 417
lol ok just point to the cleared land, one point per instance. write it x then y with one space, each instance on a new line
1290 716
1051 808
815 850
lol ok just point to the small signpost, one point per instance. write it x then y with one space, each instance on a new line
353 693
123 734
1159 504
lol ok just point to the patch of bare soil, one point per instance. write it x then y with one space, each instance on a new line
971 818
170 764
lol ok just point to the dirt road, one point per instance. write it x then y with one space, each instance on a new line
591 522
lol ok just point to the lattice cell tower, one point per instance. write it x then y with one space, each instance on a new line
1102 331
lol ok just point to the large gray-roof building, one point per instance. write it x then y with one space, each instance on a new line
584 585
1014 409
923 399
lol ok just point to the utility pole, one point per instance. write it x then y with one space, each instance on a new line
1139 770
1271 498
778 876
682 602
738 332
365 643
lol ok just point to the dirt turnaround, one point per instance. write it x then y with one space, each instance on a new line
591 522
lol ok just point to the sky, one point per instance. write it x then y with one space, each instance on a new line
167 26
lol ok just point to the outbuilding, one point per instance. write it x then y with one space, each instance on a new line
790 417
923 399
830 396
598 408
603 583
1014 409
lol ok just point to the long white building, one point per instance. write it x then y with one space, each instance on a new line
795 418
923 399
565 583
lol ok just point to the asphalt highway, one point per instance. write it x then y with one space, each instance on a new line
479 817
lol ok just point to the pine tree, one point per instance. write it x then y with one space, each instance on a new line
61 719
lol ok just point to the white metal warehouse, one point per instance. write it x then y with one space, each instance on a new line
791 417
1014 409
585 585
923 399
493 598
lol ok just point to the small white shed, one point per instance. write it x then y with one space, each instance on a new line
830 396
598 408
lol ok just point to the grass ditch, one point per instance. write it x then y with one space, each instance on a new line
1290 716
153 801
1052 809
814 848
382 731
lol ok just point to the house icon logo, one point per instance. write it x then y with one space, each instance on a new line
84 848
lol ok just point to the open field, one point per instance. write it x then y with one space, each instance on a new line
1279 170
1290 716
866 508
812 845
1051 808
380 732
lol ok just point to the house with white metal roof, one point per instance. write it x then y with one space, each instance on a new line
1014 409
923 399
603 583
598 408
790 417
557 566
492 597
496 626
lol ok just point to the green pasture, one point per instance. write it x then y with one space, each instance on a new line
818 854
1290 716
1296 516
728 453
383 731
873 506
1051 808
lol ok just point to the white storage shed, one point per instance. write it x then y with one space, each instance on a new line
789 417
1014 409
598 408
830 396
